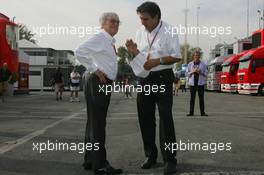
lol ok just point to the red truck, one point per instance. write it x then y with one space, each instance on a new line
18 62
251 67
228 75
8 41
229 78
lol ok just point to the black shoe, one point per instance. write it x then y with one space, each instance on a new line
204 114
108 170
87 166
60 98
170 168
148 163
190 114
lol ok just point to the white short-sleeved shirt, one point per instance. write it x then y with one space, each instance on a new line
75 77
165 44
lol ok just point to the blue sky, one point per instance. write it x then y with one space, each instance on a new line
76 13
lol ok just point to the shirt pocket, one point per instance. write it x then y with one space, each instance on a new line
159 49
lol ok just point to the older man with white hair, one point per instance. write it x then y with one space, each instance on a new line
98 55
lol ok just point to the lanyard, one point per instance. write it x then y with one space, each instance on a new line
150 44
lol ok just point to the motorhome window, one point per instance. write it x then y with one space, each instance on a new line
256 40
226 68
244 64
11 36
247 46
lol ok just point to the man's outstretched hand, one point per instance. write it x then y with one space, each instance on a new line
132 47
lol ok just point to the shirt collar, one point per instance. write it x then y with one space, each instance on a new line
109 37
154 30
193 63
197 62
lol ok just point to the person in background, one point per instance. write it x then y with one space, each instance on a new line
75 85
5 77
128 92
183 84
176 84
197 72
59 85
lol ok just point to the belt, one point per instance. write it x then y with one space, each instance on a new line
108 81
160 72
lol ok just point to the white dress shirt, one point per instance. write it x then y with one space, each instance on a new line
98 53
165 44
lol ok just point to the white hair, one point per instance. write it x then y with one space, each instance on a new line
106 16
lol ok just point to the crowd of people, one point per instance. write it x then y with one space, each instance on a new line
58 84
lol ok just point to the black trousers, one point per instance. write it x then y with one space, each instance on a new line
193 90
97 106
146 105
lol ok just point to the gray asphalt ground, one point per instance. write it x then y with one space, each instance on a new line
38 118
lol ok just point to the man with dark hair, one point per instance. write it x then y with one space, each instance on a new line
159 50
58 80
151 8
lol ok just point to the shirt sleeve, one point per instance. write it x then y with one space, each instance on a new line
84 53
174 47
205 71
188 70
139 60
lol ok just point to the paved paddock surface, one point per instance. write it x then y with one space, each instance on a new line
27 120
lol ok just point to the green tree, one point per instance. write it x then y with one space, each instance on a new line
190 51
123 68
25 33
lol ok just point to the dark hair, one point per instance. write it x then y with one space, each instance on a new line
151 8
